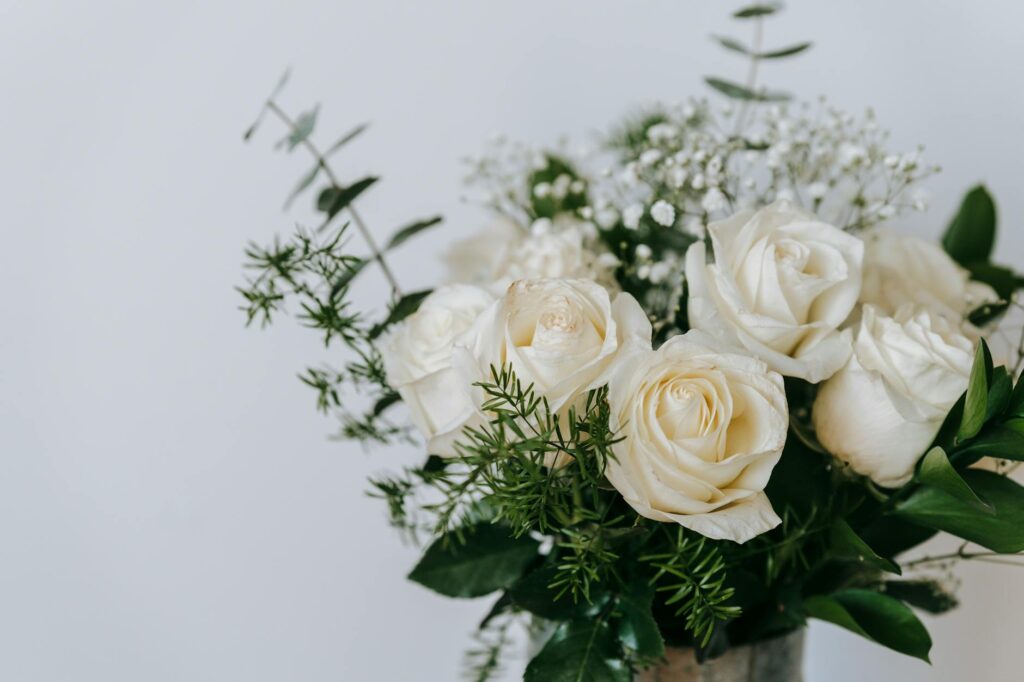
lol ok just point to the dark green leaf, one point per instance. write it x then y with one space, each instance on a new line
1000 387
987 312
533 593
737 91
937 472
731 44
410 230
875 616
785 51
637 628
405 307
760 10
1001 532
1004 280
927 595
303 128
335 199
972 234
346 138
846 544
384 402
1015 408
582 650
977 394
282 81
489 560
1005 441
304 182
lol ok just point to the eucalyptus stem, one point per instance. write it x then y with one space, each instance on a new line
992 557
755 60
321 161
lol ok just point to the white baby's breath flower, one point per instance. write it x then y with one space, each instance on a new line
642 251
677 177
607 217
817 190
631 216
659 272
663 213
650 157
714 200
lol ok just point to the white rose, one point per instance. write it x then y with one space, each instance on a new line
882 411
703 430
901 269
506 253
417 355
781 284
561 335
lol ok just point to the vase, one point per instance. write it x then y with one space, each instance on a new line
773 660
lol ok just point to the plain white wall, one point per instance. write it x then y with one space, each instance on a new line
170 505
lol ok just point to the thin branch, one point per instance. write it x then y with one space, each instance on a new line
755 60
321 161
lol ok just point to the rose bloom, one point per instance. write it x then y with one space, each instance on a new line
417 355
900 269
780 285
507 252
881 411
703 428
561 335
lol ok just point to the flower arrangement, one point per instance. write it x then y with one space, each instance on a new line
690 389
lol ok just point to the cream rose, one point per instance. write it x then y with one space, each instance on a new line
703 428
900 269
561 335
780 285
883 409
506 253
417 356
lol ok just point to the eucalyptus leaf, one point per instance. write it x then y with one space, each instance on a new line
333 200
752 11
731 44
936 471
405 307
976 403
490 559
785 51
583 650
304 182
1002 531
346 138
972 233
987 312
846 544
411 230
1004 280
737 91
874 616
302 129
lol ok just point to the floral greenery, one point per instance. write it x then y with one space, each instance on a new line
524 511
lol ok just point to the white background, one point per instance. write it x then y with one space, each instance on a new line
170 505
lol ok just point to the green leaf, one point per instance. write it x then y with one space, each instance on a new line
846 544
1004 280
405 307
335 199
346 138
1015 407
927 595
1000 387
583 650
303 128
304 182
972 234
987 312
1001 532
1005 441
410 230
976 403
936 471
490 559
281 82
731 44
751 11
737 91
874 616
637 628
785 51
533 593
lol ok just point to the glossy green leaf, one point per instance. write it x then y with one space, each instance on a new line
937 472
846 544
1004 280
533 593
875 616
637 628
976 403
1015 406
405 307
583 650
1002 531
335 199
412 230
972 234
987 312
760 10
927 595
1005 441
785 51
999 390
737 91
490 559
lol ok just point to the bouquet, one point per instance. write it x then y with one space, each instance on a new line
688 390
